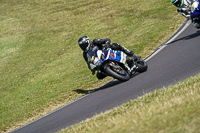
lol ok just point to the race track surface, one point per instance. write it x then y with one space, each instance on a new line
175 62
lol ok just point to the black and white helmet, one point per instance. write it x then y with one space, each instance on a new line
84 43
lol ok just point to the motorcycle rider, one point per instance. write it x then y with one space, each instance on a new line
186 8
85 44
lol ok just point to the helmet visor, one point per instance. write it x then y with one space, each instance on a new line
85 46
84 43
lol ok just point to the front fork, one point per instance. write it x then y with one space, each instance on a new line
131 64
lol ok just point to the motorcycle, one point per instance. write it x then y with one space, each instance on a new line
115 63
195 14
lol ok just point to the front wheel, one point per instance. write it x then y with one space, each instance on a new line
141 66
116 71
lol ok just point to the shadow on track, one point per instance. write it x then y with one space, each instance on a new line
194 35
110 84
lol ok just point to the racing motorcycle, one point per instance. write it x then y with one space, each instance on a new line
195 14
115 63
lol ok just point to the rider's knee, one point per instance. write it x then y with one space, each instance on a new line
100 75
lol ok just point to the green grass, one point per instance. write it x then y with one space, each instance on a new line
173 109
41 64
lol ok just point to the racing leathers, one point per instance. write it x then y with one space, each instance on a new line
185 8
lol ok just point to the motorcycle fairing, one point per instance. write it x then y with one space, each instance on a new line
98 57
118 56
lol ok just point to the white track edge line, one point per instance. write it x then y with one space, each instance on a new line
50 113
169 41
186 25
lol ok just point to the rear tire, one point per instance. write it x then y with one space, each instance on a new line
116 72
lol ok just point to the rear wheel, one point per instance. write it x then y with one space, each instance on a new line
116 71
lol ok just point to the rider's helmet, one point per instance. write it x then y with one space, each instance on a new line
177 3
84 43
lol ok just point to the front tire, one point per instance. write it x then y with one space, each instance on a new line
116 71
141 66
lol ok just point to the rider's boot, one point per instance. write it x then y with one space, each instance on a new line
131 64
128 52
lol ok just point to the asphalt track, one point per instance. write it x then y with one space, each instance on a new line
173 61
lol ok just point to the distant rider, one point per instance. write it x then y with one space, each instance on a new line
186 8
85 44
